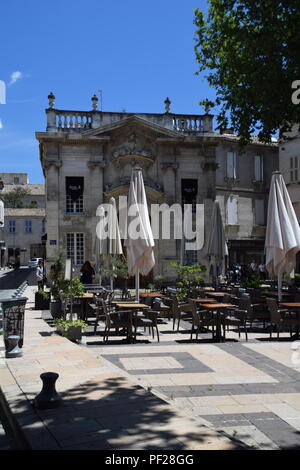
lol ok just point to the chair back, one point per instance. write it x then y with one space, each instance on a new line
273 309
227 299
175 307
245 304
195 315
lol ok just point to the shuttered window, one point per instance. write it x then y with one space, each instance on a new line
232 210
294 169
231 165
259 212
258 168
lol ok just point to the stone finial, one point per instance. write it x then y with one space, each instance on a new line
51 99
95 100
167 104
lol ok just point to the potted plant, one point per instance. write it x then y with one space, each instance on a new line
68 325
70 329
188 278
42 300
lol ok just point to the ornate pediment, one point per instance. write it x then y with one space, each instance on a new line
134 149
121 186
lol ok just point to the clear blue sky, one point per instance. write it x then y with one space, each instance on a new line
136 52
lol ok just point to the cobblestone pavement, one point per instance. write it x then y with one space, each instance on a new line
247 389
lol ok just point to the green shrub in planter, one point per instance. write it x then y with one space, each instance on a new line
42 300
71 329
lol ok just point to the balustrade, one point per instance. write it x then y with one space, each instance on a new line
73 120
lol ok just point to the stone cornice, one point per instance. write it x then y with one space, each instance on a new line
169 166
96 164
210 166
47 163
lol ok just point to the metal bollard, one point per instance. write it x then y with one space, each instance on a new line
13 349
48 397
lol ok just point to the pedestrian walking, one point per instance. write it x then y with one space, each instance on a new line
40 275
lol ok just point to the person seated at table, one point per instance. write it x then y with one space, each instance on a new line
87 273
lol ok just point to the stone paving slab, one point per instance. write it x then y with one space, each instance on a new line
102 408
252 384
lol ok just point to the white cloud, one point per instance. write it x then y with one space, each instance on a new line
15 76
1 124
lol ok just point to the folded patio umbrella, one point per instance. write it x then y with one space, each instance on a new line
139 242
283 232
217 246
108 240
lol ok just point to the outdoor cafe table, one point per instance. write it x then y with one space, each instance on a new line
152 294
217 294
294 307
133 309
203 300
217 308
84 300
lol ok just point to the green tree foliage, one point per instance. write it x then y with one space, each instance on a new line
251 50
187 277
14 198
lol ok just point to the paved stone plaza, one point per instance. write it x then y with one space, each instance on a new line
247 389
171 395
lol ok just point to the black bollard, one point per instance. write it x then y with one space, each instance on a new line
13 349
48 397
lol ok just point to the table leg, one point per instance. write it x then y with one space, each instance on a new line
218 337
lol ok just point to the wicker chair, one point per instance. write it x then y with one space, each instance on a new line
280 318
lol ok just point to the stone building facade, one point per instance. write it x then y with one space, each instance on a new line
24 225
183 161
289 165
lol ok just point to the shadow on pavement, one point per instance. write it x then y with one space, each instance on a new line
120 417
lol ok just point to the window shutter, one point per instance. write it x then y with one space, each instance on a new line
258 168
259 208
232 214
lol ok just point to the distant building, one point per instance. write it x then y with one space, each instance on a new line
289 165
183 161
24 221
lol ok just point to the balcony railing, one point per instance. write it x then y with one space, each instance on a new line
78 121
188 124
73 120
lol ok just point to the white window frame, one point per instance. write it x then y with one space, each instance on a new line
294 169
75 247
258 168
74 207
231 165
